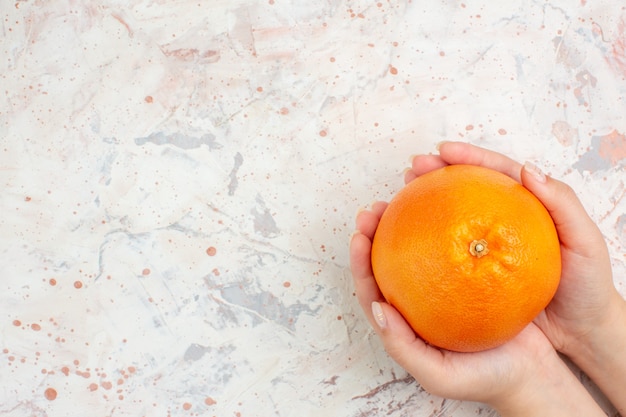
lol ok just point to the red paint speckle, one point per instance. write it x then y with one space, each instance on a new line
93 387
284 111
35 327
469 127
286 284
209 401
187 406
502 131
52 282
17 323
393 70
146 271
50 393
211 251
78 284
259 89
323 133
149 99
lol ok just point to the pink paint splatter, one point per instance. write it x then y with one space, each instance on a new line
613 147
617 55
564 133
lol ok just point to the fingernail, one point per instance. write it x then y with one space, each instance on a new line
411 158
379 316
441 143
534 170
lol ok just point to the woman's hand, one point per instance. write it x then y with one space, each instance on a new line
523 377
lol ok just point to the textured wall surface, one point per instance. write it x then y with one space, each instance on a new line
180 179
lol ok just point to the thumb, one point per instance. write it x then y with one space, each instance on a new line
575 228
424 362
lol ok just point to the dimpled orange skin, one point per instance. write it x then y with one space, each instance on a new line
423 262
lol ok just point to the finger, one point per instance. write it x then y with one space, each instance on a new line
421 164
401 342
409 175
367 220
365 285
464 153
426 363
378 208
575 228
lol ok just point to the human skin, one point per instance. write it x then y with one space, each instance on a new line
524 377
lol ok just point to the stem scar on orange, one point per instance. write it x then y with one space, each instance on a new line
468 256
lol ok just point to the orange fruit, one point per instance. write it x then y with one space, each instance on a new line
468 256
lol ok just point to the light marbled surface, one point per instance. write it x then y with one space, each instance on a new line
179 181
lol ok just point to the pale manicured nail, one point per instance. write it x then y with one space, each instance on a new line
379 316
534 170
441 143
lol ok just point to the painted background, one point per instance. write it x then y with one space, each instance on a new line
180 178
